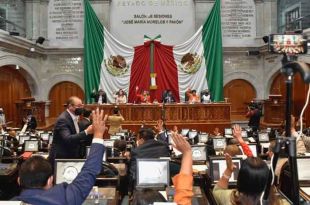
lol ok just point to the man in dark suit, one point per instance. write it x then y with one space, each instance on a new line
147 147
67 134
36 175
84 122
100 97
168 97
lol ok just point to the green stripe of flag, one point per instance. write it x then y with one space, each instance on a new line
93 50
213 51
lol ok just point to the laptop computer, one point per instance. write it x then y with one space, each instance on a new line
192 134
152 173
203 138
66 170
108 143
219 143
22 139
45 136
184 132
253 148
115 137
31 146
104 158
263 137
217 166
199 154
303 166
228 133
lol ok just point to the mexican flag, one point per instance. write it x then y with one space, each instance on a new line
111 65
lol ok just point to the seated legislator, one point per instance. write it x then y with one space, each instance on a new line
168 97
192 96
147 147
115 120
144 97
120 97
205 96
100 97
251 183
30 121
36 176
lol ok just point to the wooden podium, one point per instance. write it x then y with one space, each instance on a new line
24 105
274 111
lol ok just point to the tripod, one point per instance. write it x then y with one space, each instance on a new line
289 66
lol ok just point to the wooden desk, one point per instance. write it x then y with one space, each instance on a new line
203 117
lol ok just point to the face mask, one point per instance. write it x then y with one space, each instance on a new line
78 111
1 112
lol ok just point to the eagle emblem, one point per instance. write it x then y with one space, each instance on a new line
116 65
190 63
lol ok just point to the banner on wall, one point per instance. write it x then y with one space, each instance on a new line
65 23
174 20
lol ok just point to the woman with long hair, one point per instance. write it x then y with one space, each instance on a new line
251 183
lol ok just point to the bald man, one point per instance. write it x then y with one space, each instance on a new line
67 135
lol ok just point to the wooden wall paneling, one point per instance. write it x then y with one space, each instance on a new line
278 86
239 93
13 86
60 93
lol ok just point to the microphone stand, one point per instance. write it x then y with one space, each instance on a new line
163 118
289 142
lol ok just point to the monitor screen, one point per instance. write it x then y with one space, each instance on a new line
22 138
199 153
45 136
184 132
66 170
218 166
31 146
253 148
263 137
108 143
192 134
115 137
244 133
152 172
228 131
303 166
203 138
104 158
219 143
121 134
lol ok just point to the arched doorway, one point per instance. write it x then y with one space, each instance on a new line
60 93
13 86
278 86
240 93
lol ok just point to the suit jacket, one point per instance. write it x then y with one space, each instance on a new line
83 124
150 149
96 97
66 142
64 193
115 123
